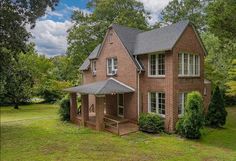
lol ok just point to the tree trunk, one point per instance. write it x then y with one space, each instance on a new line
16 106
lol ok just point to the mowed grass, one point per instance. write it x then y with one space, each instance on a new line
35 133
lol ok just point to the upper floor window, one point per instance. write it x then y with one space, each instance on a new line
181 103
111 66
93 66
157 103
189 64
156 65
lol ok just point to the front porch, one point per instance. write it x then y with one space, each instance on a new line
101 116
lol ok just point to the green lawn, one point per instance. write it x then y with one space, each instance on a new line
34 133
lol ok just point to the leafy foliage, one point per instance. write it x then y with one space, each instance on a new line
189 126
90 28
231 84
216 115
178 10
64 110
152 123
221 19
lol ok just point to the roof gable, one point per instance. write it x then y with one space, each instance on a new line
159 39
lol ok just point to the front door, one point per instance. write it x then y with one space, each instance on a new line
120 105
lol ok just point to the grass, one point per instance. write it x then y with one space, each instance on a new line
35 133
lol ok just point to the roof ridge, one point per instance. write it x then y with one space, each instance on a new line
132 28
162 28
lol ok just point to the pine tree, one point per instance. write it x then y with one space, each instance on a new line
216 115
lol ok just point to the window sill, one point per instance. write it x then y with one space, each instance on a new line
189 76
156 76
111 75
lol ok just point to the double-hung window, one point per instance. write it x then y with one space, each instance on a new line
181 103
156 103
93 66
189 64
111 66
156 64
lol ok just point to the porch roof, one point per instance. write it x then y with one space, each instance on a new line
108 86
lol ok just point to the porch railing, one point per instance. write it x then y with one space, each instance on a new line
111 124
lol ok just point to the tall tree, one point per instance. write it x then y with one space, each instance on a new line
221 19
178 10
89 29
216 115
15 15
231 84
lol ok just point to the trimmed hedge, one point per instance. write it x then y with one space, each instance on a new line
64 110
151 123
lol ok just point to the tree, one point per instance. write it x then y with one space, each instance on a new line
178 10
231 84
89 28
218 60
216 115
19 84
189 126
221 19
15 15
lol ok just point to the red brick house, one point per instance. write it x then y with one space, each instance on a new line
136 71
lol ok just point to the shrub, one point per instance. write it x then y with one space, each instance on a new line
193 120
152 123
216 115
64 110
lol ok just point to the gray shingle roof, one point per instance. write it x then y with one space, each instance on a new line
139 42
127 35
108 86
94 53
159 39
85 65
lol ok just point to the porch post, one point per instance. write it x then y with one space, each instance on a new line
84 109
73 107
100 112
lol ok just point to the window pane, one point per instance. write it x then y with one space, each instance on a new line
153 102
153 65
121 101
191 64
115 63
180 63
109 65
185 64
161 64
161 103
197 63
180 104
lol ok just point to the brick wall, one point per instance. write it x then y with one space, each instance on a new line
127 72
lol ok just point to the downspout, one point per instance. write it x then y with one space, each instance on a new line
138 93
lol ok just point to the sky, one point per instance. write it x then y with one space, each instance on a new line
50 32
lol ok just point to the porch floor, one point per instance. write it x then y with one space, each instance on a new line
125 127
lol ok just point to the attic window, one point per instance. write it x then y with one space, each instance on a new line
110 38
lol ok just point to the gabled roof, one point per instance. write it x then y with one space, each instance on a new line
85 65
94 53
159 39
139 42
108 86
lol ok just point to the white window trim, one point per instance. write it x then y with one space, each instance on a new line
157 104
157 66
194 67
112 67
